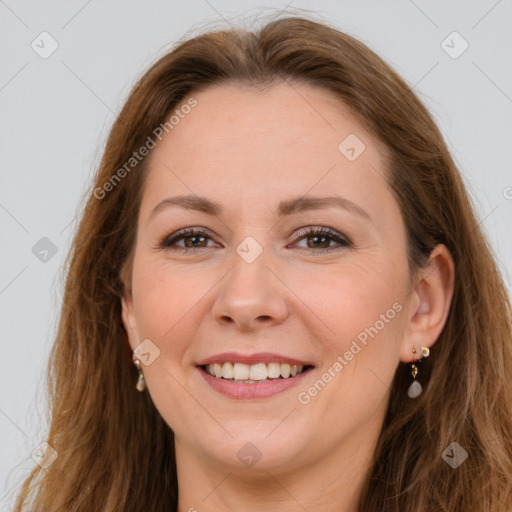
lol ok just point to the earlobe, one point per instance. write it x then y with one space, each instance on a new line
431 303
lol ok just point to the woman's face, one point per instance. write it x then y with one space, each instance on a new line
253 286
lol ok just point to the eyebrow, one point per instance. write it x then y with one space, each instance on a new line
285 208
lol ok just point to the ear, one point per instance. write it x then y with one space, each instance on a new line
429 304
128 317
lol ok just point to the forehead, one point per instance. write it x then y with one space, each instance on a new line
244 143
235 119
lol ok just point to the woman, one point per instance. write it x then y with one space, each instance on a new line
278 296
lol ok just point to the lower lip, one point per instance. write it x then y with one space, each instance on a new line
241 391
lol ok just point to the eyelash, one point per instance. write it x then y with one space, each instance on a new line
168 241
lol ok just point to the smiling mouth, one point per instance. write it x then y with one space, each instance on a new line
254 373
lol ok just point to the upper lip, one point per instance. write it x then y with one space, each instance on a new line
249 359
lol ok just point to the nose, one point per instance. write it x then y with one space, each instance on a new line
251 296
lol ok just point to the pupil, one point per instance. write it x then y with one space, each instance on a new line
188 240
316 238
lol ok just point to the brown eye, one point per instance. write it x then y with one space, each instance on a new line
193 238
319 239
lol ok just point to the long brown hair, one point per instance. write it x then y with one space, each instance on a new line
116 453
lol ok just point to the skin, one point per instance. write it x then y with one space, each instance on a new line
248 150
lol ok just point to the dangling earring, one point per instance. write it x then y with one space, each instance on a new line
415 388
141 383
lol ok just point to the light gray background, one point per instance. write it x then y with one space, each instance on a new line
56 113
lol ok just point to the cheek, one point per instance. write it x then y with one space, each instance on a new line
167 300
171 302
166 303
349 302
359 325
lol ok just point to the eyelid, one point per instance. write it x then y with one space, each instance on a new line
166 241
322 230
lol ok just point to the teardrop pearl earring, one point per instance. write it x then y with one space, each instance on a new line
141 383
415 388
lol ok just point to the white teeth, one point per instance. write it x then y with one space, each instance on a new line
258 371
240 371
254 372
227 371
273 370
217 370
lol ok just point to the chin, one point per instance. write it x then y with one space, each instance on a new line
254 447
